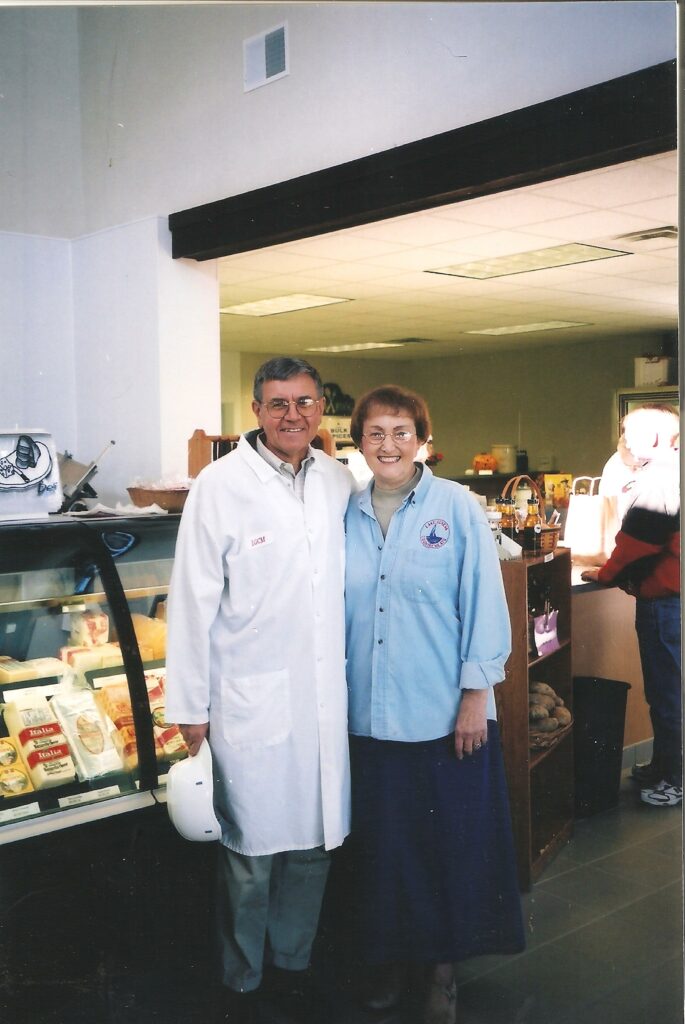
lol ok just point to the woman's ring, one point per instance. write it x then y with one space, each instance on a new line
477 746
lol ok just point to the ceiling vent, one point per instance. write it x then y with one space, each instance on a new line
265 57
668 231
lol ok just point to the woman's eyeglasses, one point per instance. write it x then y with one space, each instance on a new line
305 405
377 437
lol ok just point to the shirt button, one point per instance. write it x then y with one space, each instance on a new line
380 609
380 641
383 576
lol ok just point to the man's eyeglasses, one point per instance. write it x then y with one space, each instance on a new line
305 405
377 437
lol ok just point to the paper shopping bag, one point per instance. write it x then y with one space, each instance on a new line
591 523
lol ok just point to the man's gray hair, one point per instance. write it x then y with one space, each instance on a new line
283 368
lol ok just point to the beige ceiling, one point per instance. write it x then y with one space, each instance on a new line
381 268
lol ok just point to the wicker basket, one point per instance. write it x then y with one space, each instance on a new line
545 740
172 499
549 535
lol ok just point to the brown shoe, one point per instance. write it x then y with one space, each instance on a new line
383 987
440 1006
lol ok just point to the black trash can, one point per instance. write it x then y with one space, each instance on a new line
599 714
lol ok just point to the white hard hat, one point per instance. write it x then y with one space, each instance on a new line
189 794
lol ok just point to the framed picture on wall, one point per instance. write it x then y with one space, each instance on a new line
628 399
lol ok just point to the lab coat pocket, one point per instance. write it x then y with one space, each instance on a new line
255 710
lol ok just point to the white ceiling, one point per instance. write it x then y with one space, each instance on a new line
381 268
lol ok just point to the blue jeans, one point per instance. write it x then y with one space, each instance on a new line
657 622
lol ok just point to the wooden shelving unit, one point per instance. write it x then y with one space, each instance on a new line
540 782
205 448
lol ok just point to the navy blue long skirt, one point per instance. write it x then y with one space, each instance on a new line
431 856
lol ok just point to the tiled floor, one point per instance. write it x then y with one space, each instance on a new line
604 937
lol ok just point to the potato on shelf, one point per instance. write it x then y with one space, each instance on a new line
547 713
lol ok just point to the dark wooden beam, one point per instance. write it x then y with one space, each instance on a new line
605 124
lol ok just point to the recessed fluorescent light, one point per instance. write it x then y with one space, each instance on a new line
281 304
524 262
358 347
549 325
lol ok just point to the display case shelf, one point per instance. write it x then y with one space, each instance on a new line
56 578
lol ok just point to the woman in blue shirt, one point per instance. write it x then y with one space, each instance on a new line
431 851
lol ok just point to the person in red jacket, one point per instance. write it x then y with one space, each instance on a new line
645 562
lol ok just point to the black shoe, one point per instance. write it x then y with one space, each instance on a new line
230 1007
646 774
294 994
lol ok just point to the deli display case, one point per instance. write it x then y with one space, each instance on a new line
82 670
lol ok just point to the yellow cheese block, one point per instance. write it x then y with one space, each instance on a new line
14 671
151 633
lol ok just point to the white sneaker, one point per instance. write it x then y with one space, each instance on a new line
665 794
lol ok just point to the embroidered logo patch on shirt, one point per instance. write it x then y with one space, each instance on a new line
260 540
434 533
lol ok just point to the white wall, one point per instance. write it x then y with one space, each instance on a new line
37 385
40 122
166 125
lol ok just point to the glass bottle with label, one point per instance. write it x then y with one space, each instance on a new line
509 520
532 527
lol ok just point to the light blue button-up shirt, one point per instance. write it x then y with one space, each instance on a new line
426 612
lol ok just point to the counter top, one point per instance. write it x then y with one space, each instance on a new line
579 585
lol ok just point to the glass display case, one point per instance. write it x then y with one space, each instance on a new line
82 669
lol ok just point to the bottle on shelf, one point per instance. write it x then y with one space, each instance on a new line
509 521
532 526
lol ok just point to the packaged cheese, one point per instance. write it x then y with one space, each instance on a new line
81 659
15 781
85 659
91 748
9 753
13 671
126 746
52 766
39 737
168 739
114 701
89 629
29 710
111 655
14 777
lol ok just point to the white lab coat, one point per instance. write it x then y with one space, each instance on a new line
256 646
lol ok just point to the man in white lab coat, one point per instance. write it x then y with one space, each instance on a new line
255 663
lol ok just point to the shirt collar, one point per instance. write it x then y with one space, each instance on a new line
417 493
278 464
